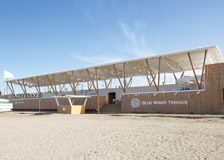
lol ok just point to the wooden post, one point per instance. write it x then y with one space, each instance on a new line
130 82
106 85
196 78
115 69
91 80
71 84
11 89
110 83
55 85
159 73
175 76
124 78
38 85
147 76
153 77
23 87
203 68
97 86
55 91
74 85
182 75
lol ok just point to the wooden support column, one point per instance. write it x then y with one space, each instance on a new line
108 85
175 76
147 76
97 86
73 81
91 80
130 82
196 78
55 84
11 89
62 87
35 85
23 87
203 68
153 77
72 85
38 85
52 87
182 75
90 85
116 72
124 78
159 73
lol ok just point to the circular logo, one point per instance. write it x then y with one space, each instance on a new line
135 103
63 109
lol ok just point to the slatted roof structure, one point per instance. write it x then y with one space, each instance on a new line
194 59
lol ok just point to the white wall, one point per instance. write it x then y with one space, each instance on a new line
119 91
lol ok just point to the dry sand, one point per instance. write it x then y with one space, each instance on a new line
131 136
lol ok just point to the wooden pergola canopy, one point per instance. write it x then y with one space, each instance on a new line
163 63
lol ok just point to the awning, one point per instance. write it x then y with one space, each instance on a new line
169 63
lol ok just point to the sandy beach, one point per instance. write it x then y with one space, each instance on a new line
25 135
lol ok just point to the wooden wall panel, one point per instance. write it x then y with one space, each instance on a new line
208 101
50 103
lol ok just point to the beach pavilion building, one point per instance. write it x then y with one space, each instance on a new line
202 92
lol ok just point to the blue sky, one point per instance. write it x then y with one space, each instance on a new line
42 36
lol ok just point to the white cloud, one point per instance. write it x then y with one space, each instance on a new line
134 42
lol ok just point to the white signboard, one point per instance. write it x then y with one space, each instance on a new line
136 102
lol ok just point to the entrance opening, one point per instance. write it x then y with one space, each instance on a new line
111 98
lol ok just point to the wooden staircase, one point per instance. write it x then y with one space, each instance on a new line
111 108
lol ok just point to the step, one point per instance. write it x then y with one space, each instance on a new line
111 108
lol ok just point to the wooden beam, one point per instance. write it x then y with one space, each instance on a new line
98 103
73 81
159 73
38 85
23 87
55 92
106 85
71 84
97 85
55 84
92 80
175 76
147 76
116 72
11 89
153 78
35 86
124 77
130 82
62 87
110 83
182 75
203 68
88 85
195 76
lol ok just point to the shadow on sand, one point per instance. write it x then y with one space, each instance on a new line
38 113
